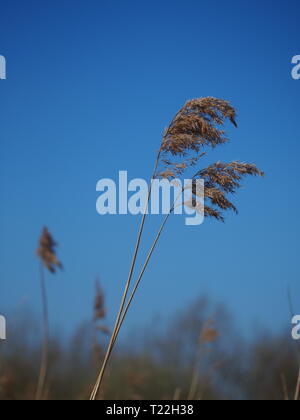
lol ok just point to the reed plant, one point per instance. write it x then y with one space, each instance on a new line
197 127
48 261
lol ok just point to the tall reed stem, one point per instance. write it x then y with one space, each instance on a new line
45 350
141 275
297 392
123 312
195 377
125 293
284 387
123 315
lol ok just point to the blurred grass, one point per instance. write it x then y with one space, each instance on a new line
159 365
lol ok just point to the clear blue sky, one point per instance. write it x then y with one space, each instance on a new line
91 85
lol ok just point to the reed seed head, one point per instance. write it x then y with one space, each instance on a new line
100 310
209 334
197 125
46 251
99 305
221 179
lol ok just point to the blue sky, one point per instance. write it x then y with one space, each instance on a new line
91 86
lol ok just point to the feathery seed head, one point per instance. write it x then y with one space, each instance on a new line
46 251
196 125
209 334
199 124
221 179
99 306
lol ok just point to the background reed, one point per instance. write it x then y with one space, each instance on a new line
48 259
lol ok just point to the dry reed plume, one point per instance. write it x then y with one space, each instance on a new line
209 334
46 253
100 309
99 317
196 127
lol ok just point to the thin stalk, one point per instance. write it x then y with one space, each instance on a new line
177 394
297 392
124 313
141 276
152 249
194 385
284 387
127 286
195 377
45 350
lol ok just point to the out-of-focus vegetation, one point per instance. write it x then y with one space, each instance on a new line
196 355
